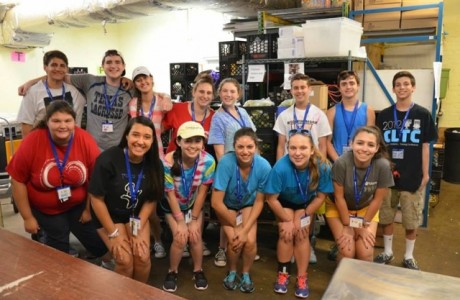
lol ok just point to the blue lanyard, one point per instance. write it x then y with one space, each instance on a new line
185 182
349 125
304 194
109 103
400 130
359 193
192 108
60 165
304 118
152 107
242 124
49 92
133 190
239 194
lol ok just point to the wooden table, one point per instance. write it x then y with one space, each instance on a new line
30 270
356 279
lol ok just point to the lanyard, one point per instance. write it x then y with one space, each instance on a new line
152 107
133 189
49 92
304 118
192 108
359 193
304 194
242 124
349 125
239 194
185 182
109 103
400 130
60 165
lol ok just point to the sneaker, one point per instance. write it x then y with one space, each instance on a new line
332 255
170 283
281 283
246 285
201 283
206 251
301 287
257 257
313 259
159 250
109 265
220 259
383 258
410 263
230 281
186 252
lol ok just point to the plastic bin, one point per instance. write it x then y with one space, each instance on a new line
332 37
451 157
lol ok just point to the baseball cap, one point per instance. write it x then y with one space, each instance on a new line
140 71
190 129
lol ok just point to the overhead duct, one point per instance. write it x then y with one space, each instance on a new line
32 24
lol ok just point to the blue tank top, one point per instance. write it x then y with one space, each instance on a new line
340 134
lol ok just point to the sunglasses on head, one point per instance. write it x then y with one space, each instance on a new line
299 131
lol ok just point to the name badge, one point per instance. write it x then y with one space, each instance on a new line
107 126
135 224
305 221
356 222
188 216
345 149
397 154
64 193
239 218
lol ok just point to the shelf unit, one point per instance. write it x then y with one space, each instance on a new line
406 36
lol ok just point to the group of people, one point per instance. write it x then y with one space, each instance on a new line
117 174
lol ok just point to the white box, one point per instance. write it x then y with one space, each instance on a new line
286 43
290 31
295 52
332 37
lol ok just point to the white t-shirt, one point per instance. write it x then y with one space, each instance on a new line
316 122
33 105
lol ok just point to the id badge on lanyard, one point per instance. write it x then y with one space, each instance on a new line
397 154
135 224
239 218
107 126
64 193
356 222
305 221
188 216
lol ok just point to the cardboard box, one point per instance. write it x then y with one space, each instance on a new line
290 31
380 2
358 5
385 16
319 96
381 25
419 23
420 13
286 43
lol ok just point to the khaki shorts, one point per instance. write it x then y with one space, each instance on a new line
411 208
332 212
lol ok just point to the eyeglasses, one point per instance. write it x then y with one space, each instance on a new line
299 131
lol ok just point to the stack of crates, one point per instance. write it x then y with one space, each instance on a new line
182 76
436 169
263 118
263 46
230 53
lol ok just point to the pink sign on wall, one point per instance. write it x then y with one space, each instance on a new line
18 56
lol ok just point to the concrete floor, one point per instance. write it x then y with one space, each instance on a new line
437 250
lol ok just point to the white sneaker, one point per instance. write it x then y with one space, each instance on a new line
109 265
257 257
313 259
159 250
206 251
220 259
186 252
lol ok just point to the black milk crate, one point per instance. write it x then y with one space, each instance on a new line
261 46
232 50
231 69
183 70
262 116
181 88
165 138
435 182
438 158
267 145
